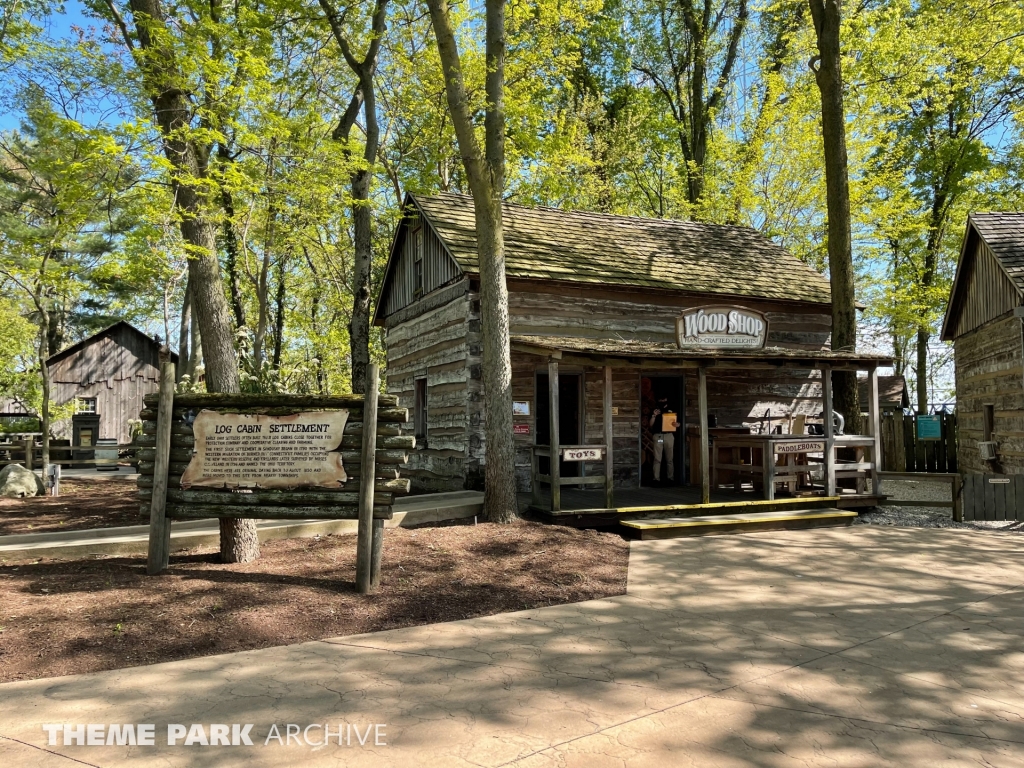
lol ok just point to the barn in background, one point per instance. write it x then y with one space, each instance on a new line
984 322
107 373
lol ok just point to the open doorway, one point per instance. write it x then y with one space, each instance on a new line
570 421
652 388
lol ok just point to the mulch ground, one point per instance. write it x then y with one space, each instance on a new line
82 504
68 617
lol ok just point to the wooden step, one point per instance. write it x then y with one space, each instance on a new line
605 517
740 522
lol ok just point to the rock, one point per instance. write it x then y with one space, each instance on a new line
16 482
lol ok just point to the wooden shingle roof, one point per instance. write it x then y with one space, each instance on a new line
1003 233
596 248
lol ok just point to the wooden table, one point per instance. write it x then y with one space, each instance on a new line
761 465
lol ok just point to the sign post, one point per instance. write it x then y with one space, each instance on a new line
159 525
364 546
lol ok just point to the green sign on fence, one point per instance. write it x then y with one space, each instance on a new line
929 428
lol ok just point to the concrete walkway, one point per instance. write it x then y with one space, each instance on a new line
866 646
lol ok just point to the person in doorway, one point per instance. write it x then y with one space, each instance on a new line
663 428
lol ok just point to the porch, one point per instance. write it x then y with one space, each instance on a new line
733 467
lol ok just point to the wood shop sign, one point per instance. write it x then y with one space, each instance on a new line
721 327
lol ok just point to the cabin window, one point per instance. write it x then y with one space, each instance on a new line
417 263
420 413
990 421
86 405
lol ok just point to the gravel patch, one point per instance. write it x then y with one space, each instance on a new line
926 517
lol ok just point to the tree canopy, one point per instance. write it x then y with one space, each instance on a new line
674 109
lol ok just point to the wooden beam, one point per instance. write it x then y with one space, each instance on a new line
533 349
159 525
702 407
364 538
874 429
556 470
609 436
830 438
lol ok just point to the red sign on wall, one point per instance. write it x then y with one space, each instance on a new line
520 429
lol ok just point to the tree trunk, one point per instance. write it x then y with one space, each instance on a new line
184 334
231 242
359 327
362 222
173 112
828 74
486 174
922 370
282 292
44 417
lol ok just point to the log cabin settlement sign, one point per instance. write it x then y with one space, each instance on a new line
237 450
721 327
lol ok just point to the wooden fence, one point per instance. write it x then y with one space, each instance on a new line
902 451
29 453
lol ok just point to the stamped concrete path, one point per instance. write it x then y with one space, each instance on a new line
867 646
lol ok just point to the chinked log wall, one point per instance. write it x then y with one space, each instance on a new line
343 503
990 371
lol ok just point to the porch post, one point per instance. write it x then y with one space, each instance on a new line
702 408
609 460
556 470
830 458
874 428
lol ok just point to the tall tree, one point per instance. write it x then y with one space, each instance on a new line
688 51
826 65
363 97
167 87
485 171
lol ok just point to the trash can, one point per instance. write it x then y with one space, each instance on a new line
106 449
85 429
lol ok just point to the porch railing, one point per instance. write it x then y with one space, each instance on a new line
581 454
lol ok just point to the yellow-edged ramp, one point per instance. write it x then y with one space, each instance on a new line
740 522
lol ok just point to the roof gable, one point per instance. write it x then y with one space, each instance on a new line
602 249
118 328
991 263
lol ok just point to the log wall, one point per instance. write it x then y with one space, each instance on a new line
437 345
990 371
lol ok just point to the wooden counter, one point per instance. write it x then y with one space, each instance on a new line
753 456
693 447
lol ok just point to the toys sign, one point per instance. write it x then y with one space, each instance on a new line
582 454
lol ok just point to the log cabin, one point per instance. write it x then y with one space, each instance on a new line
608 315
983 320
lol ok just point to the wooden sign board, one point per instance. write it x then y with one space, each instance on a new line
721 327
236 450
804 446
582 454
520 429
